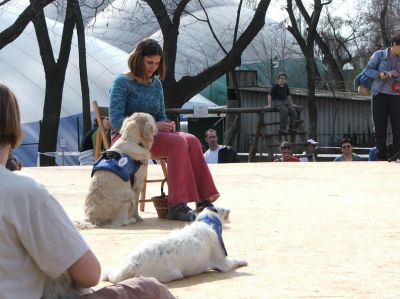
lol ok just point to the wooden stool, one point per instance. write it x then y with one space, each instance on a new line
143 199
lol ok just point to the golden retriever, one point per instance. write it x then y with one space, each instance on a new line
111 200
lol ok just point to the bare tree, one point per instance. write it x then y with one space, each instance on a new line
55 71
178 92
381 21
306 41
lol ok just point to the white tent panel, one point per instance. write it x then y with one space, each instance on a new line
22 70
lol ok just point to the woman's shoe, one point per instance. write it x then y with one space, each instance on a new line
181 212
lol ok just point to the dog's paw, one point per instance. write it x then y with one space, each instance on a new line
83 224
112 275
104 275
241 263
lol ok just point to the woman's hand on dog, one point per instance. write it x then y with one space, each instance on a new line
166 126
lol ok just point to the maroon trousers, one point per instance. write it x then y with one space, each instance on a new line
133 288
189 178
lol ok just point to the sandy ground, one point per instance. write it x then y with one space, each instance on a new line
307 230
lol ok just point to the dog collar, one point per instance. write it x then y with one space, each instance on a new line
122 165
216 224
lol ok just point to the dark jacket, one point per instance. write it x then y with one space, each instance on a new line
227 155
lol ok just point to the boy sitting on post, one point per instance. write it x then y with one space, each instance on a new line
279 98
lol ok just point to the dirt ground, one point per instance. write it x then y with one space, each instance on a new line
307 230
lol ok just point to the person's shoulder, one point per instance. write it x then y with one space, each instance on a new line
121 77
381 53
275 86
119 81
294 159
356 158
20 184
339 158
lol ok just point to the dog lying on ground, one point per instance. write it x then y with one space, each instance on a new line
113 198
191 250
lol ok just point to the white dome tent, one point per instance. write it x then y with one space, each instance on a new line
21 70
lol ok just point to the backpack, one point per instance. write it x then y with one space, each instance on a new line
362 84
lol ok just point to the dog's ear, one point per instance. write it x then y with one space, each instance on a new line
125 124
148 129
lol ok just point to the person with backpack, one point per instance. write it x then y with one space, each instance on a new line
218 153
384 68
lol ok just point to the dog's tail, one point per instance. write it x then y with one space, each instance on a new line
115 275
83 224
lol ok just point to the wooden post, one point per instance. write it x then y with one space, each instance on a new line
254 147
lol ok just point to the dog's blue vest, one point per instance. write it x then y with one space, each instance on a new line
122 165
216 224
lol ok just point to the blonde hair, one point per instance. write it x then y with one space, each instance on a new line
10 121
147 47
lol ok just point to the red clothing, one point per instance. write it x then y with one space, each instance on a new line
291 159
189 178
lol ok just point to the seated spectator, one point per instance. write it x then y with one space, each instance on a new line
86 155
372 154
38 240
13 163
286 151
218 153
89 140
347 152
309 153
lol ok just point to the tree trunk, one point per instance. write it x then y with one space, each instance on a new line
55 77
382 23
330 60
80 29
51 117
232 120
311 104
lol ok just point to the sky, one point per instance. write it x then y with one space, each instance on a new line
337 7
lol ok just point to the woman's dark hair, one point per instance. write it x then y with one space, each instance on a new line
10 120
147 47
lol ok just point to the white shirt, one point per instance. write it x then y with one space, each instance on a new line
36 237
212 156
304 157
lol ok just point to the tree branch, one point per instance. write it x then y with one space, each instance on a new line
212 29
11 33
